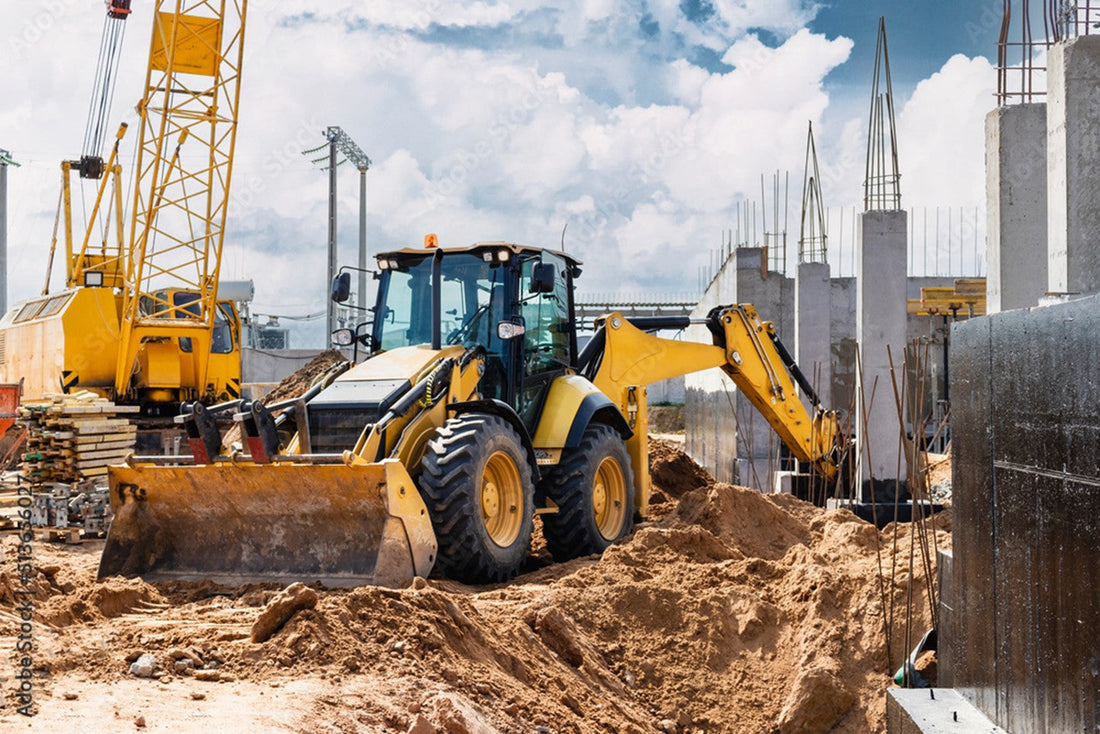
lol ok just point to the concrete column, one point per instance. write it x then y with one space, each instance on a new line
1016 204
812 328
880 322
1073 165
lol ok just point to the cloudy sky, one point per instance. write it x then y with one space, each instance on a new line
642 124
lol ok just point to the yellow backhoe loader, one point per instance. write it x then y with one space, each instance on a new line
472 412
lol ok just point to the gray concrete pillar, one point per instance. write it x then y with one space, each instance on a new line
1073 165
812 328
1016 206
880 322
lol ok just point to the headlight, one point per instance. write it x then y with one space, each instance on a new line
504 255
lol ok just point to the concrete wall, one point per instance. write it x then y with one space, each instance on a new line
842 327
667 391
1016 206
710 427
1073 166
267 366
1026 480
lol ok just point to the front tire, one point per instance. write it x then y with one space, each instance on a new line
476 482
593 487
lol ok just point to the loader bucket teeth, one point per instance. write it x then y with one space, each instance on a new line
242 523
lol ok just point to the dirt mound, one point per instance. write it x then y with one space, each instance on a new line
109 598
737 612
291 386
674 472
666 419
301 380
744 519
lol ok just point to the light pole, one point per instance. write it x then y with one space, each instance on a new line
5 161
340 142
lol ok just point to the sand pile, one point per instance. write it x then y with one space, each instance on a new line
301 380
736 612
292 386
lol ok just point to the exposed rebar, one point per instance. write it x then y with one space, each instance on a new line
882 181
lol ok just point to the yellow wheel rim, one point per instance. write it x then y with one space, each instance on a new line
501 499
609 498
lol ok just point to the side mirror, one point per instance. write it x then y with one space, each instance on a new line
343 337
542 278
507 330
341 287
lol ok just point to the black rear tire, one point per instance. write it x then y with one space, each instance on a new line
476 482
593 487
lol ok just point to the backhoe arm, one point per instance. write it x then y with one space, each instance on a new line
764 371
746 349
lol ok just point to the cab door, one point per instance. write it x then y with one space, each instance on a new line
548 343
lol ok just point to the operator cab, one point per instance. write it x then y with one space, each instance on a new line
513 300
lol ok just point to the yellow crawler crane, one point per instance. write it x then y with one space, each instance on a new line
139 320
472 412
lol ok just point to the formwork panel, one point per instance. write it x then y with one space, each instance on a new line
1026 591
972 527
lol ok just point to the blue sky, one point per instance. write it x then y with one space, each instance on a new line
642 124
922 35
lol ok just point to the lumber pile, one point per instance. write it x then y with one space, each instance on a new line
74 437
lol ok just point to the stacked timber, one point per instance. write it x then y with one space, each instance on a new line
74 437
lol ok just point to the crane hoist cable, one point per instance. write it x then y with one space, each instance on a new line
110 50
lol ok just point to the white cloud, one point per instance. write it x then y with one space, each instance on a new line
481 143
941 133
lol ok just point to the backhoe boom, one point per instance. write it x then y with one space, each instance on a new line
745 348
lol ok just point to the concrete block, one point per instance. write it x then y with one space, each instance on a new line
881 320
1073 166
934 711
1016 206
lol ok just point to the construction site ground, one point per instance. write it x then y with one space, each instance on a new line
730 611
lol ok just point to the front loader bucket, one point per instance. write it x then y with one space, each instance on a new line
242 523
